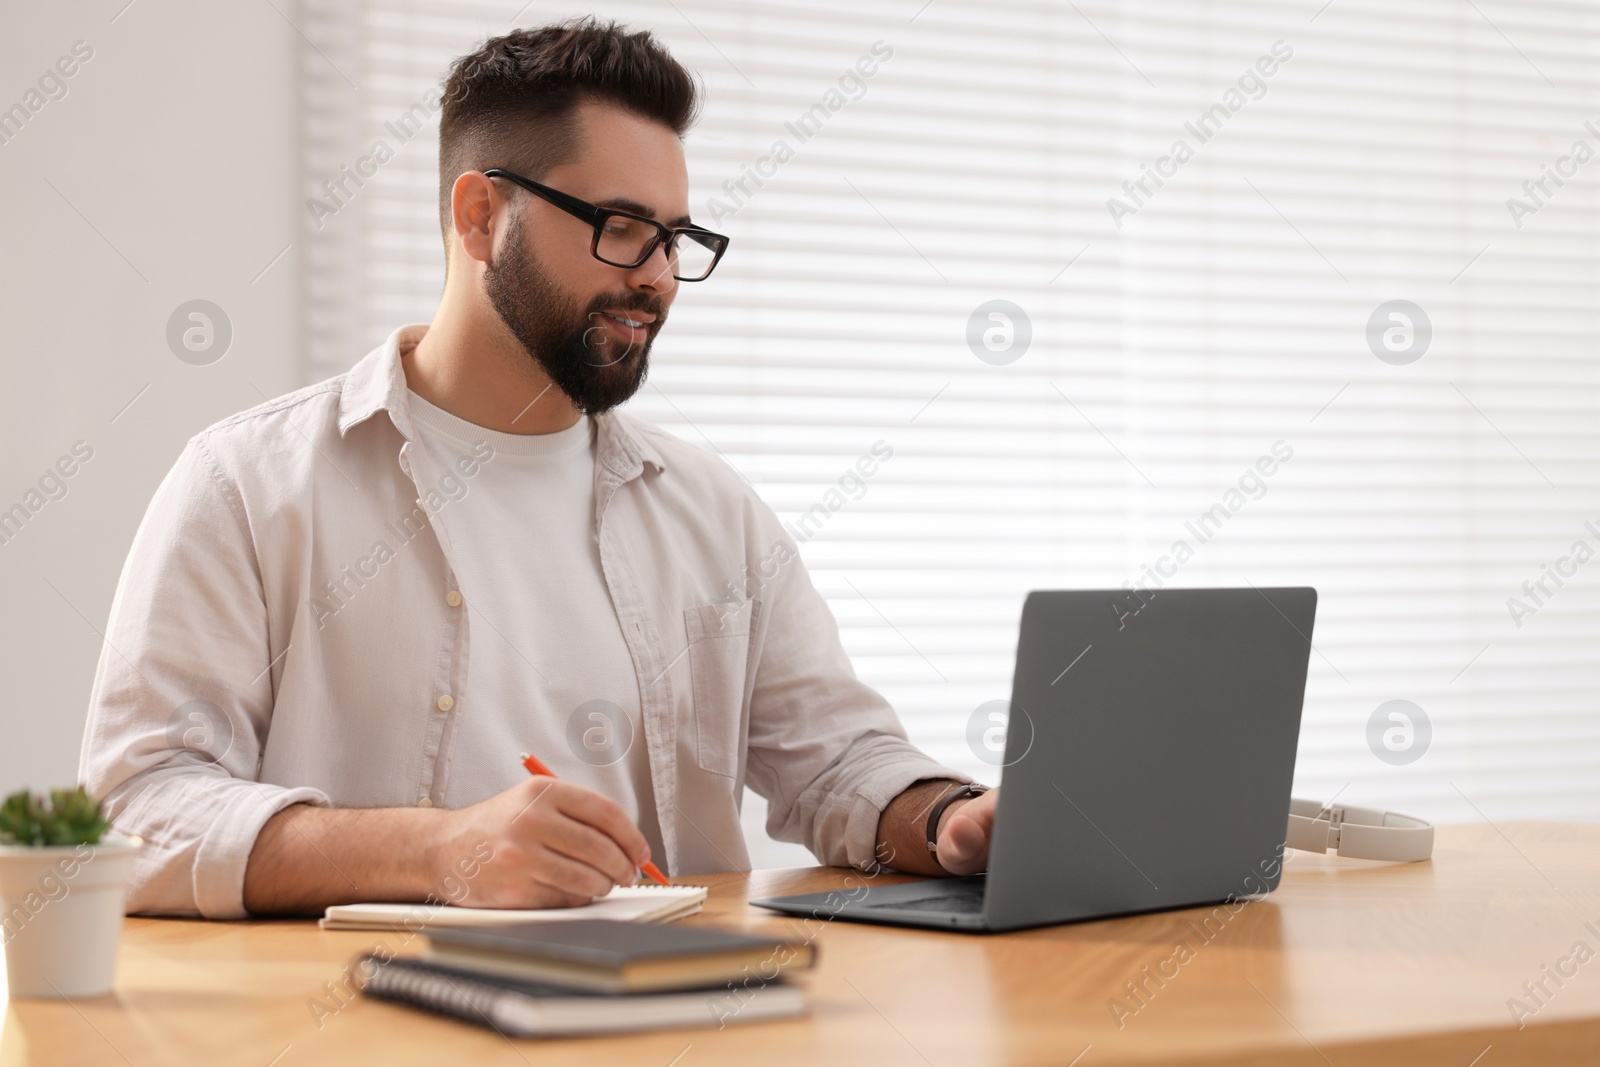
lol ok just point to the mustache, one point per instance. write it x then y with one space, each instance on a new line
631 302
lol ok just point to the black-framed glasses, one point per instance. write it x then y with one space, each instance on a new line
623 239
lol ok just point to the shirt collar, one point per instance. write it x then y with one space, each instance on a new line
378 383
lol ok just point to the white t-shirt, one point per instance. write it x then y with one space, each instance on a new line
549 672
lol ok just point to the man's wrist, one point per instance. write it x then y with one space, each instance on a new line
902 839
438 833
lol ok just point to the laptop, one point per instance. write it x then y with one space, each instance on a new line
1149 755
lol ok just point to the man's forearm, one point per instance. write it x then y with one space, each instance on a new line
307 858
903 827
542 843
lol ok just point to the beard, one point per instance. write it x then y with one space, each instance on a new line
569 342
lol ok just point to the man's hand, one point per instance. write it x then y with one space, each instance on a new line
554 845
964 832
965 828
543 843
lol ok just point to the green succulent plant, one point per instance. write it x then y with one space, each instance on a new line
69 817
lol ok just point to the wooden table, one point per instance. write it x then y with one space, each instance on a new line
1348 963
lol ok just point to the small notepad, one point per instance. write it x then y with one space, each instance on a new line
625 903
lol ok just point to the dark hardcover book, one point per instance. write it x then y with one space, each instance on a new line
612 957
520 1008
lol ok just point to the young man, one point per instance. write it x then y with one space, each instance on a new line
350 611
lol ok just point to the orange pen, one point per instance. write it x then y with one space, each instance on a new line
536 766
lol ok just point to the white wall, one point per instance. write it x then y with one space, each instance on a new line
175 146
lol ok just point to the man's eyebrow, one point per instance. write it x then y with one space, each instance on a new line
622 203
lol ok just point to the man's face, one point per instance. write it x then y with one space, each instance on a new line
587 324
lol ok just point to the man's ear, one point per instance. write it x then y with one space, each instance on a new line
473 203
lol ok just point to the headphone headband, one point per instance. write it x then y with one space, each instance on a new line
1358 833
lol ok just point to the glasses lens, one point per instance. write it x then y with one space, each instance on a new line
693 256
623 240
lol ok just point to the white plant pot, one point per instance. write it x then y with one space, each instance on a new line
61 915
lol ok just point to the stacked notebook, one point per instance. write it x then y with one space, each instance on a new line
585 976
530 1009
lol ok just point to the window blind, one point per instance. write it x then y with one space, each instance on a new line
1305 288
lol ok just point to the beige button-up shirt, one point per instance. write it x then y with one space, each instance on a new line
288 629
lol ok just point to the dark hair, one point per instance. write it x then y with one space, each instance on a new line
512 103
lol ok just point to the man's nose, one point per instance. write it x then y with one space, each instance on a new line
655 274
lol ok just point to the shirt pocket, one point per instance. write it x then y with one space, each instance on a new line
719 652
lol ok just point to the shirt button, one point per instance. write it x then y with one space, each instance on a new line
447 702
425 803
453 598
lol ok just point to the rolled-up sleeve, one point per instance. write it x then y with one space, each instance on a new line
183 698
826 750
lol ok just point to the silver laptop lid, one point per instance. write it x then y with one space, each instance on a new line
1155 772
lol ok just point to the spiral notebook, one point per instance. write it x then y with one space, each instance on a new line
625 903
519 1008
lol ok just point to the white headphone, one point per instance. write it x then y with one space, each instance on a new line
1358 833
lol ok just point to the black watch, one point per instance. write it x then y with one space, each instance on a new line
972 789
